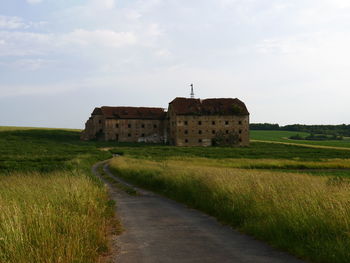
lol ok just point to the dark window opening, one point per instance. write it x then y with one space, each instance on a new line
227 131
117 125
240 122
99 121
199 140
186 122
240 139
213 132
142 126
186 140
199 132
226 122
101 130
199 123
186 131
129 134
240 131
129 125
155 126
213 122
142 135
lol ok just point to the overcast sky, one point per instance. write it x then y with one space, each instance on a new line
289 61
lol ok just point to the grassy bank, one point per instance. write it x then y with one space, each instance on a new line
52 218
52 208
306 215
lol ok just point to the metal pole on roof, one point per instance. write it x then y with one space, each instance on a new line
192 92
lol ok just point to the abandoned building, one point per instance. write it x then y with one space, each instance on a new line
188 122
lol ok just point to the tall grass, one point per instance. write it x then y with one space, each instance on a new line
54 218
306 215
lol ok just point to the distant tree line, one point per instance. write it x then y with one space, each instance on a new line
334 130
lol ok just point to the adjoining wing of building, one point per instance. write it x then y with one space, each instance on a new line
188 122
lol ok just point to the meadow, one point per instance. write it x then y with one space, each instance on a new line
52 209
305 215
283 136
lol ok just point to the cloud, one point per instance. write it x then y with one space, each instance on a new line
11 22
26 43
33 2
102 38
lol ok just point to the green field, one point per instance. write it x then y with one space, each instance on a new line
52 209
273 191
282 136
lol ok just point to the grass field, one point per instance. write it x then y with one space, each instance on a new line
265 190
306 215
52 209
282 136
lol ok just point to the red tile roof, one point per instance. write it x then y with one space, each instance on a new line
228 106
130 112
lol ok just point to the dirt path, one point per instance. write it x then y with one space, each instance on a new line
160 230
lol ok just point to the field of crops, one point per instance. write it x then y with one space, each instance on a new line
283 136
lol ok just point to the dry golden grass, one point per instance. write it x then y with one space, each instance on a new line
306 215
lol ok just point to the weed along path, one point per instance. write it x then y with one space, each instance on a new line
157 229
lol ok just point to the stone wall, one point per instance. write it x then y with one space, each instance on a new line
134 130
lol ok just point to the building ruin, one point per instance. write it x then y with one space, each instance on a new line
188 122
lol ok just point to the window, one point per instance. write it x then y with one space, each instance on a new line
226 122
186 140
99 121
117 125
155 126
142 135
213 132
186 131
240 131
199 140
199 122
142 126
213 122
101 130
227 131
129 125
240 122
186 122
129 134
199 132
240 139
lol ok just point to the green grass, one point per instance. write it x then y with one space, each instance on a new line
257 150
282 136
52 208
57 165
53 218
309 216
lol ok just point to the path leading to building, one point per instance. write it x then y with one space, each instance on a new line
160 230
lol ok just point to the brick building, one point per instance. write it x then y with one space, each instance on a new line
188 122
126 124
195 122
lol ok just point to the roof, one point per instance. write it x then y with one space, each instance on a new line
130 112
223 106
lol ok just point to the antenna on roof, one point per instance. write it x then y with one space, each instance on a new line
192 92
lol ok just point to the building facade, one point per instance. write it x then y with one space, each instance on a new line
126 124
188 122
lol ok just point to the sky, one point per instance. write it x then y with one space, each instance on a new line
289 61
